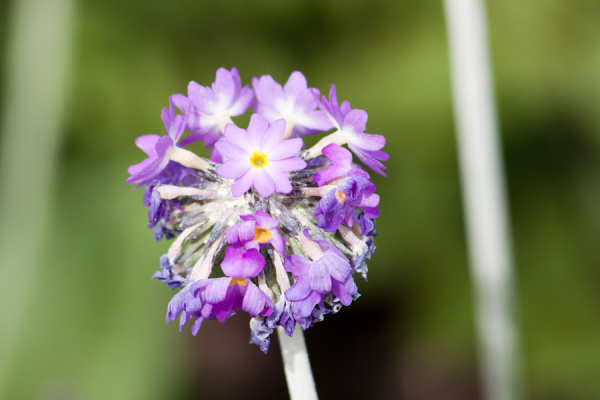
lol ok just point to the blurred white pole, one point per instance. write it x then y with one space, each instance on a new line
296 365
484 200
36 65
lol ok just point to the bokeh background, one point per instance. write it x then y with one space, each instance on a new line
91 324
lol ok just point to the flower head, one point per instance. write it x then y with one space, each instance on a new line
259 157
241 222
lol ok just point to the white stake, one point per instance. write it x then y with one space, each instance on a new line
296 365
484 200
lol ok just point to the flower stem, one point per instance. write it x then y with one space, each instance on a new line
296 365
484 200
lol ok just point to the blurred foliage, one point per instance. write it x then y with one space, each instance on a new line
97 330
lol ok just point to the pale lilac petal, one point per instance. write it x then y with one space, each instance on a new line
338 155
243 184
181 102
201 97
266 88
299 290
295 84
147 143
319 277
233 169
256 130
280 179
315 122
216 290
337 266
224 87
289 164
236 135
285 149
356 120
297 265
273 138
264 184
136 168
255 300
242 103
367 141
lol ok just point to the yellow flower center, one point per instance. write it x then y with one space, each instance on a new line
258 159
238 281
262 235
340 196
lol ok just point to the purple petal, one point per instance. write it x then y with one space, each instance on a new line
299 290
243 101
305 307
263 183
255 300
280 179
319 277
236 135
265 220
289 164
240 263
338 155
147 143
224 87
267 89
256 130
295 84
233 169
244 183
338 267
285 149
216 290
273 137
297 265
356 120
241 233
366 141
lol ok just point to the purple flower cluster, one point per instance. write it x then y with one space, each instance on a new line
283 229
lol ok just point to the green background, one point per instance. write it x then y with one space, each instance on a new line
94 327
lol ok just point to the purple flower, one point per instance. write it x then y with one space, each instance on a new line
167 275
259 157
187 303
338 204
158 148
209 109
256 231
236 292
351 125
218 298
341 163
330 272
295 102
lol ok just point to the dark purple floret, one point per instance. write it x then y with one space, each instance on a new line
338 204
167 275
187 303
